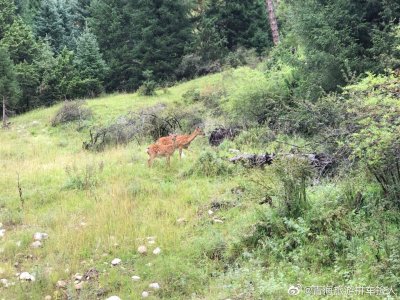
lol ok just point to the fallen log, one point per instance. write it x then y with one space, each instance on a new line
321 161
253 160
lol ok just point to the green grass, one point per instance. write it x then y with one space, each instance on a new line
125 203
99 206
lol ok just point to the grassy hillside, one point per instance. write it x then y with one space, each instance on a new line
97 206
125 203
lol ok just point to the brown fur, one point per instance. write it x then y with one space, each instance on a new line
183 141
158 150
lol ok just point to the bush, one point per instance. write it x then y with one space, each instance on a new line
284 184
84 179
242 57
148 88
261 98
191 96
153 122
311 118
209 164
193 65
83 88
71 111
374 107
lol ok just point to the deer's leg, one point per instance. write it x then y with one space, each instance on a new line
150 161
168 160
180 152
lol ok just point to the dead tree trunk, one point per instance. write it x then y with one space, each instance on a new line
4 113
272 21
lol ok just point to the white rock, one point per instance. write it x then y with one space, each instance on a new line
181 221
26 276
142 249
2 232
61 284
154 286
36 244
210 212
48 297
135 278
116 261
157 251
218 221
38 236
1 225
145 294
78 276
4 282
114 298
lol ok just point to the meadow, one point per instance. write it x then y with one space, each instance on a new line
217 241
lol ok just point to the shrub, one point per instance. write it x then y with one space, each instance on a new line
193 65
148 88
192 95
85 178
209 164
153 122
284 184
260 98
211 95
88 87
374 107
71 111
242 57
311 118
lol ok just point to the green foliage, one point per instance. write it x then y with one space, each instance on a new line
261 98
48 24
238 23
88 59
211 96
7 15
336 37
145 35
20 42
9 89
148 88
375 109
209 164
83 179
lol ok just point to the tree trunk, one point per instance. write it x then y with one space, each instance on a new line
4 113
272 21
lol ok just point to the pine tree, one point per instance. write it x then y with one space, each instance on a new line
49 24
161 31
8 83
7 15
23 49
88 59
20 42
241 23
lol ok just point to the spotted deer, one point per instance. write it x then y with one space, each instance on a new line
165 150
183 141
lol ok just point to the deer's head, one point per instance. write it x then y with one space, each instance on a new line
199 131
